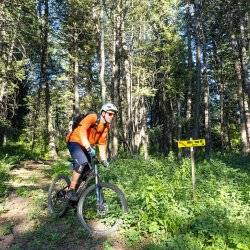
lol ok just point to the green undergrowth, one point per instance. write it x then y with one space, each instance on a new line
10 156
62 166
162 213
161 208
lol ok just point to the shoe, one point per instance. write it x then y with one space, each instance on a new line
71 195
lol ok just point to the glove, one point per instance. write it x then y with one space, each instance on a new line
91 152
105 163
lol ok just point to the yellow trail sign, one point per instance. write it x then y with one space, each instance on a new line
191 143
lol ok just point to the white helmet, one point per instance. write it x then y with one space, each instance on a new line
109 106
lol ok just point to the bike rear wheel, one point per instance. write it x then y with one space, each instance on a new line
57 202
106 218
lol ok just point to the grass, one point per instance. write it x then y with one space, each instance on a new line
11 155
6 228
23 192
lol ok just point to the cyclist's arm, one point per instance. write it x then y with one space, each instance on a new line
102 144
102 151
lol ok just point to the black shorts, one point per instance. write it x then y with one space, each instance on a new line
80 156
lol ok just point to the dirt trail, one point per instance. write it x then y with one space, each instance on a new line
26 231
16 208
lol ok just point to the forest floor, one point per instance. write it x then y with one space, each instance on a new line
26 224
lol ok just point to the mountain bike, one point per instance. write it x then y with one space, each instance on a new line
100 206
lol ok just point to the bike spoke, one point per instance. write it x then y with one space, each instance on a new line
103 216
56 201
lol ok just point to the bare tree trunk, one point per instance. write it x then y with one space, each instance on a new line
225 141
76 107
128 120
248 62
115 142
140 135
102 53
37 104
45 81
143 132
206 104
179 126
244 46
76 88
190 68
244 116
197 88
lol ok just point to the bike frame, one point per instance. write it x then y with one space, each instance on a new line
99 196
94 174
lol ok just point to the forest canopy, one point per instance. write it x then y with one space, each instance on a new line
176 69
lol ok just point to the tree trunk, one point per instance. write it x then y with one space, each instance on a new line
115 98
244 114
102 53
76 106
206 106
244 46
45 81
128 82
197 87
179 126
225 139
190 70
248 44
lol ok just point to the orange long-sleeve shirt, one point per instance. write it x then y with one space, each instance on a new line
87 134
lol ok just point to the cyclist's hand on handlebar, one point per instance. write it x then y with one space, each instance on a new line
105 163
91 152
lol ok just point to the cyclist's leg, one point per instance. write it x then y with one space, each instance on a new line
80 161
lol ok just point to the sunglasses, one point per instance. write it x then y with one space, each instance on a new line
110 114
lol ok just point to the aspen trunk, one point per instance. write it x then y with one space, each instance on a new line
206 107
76 106
244 110
102 53
190 68
115 98
197 87
244 114
45 81
197 92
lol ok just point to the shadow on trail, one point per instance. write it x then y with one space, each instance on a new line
25 190
62 233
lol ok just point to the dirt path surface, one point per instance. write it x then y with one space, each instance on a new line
26 223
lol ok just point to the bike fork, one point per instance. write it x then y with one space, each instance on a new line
99 197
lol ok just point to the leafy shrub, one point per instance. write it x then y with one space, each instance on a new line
159 194
59 167
4 177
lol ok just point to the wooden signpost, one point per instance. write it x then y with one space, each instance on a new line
191 144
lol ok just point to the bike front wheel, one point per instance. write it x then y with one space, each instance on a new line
104 218
57 202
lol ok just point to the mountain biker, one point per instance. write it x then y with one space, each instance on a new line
92 130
